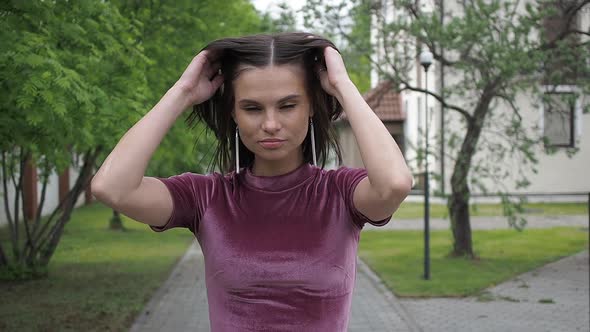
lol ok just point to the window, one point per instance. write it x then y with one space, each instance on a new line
562 61
559 114
561 109
399 139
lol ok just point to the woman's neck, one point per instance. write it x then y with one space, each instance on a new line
262 167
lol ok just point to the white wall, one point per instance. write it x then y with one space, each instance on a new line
51 196
557 173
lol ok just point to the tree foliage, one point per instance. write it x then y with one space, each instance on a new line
495 51
65 68
75 76
352 34
172 32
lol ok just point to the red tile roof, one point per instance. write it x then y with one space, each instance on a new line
385 102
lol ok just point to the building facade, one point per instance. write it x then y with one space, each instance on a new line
566 128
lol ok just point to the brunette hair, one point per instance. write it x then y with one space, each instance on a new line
262 50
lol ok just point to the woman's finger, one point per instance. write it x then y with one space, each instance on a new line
216 82
212 69
333 59
196 66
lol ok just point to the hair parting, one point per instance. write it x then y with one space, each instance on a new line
261 50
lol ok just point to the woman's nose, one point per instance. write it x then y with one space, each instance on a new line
271 123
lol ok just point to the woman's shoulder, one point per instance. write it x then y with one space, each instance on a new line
344 178
199 175
200 179
341 170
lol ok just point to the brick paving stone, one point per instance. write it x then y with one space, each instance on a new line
518 304
181 303
374 307
533 221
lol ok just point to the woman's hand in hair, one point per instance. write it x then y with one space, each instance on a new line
200 79
334 75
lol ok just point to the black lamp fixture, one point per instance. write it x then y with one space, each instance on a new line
426 59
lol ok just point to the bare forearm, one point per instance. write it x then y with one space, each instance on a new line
383 160
125 166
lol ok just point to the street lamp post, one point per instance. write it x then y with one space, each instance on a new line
426 61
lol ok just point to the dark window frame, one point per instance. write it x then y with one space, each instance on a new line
551 27
572 123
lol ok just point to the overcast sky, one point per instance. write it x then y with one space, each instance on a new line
265 5
271 6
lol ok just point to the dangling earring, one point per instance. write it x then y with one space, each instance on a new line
315 163
237 152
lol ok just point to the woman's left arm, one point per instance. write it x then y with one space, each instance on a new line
389 180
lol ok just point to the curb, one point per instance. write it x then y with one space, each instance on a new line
389 296
156 298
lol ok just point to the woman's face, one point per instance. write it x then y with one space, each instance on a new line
271 104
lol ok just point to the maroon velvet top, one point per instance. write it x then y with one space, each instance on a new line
280 251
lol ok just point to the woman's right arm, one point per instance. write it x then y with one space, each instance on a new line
120 182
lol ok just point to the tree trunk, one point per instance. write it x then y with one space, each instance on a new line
42 242
81 183
3 260
116 223
458 204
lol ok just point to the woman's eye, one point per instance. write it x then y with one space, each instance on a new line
288 106
251 109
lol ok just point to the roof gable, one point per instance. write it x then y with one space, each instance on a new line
384 101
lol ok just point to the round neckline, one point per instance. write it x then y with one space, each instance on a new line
276 183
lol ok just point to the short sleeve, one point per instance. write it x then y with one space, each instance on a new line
346 179
191 194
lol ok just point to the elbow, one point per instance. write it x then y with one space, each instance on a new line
94 187
408 184
404 186
97 189
399 189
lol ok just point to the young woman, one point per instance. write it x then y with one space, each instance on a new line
278 233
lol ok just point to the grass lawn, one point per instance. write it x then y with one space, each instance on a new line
397 257
409 210
99 280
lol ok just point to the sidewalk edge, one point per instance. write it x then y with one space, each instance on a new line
162 290
391 298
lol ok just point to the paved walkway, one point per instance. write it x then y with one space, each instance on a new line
517 305
487 223
181 303
551 298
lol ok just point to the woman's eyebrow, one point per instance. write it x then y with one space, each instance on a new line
289 97
293 96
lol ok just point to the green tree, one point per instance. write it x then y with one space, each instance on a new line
64 68
353 35
76 77
285 22
358 65
172 33
496 50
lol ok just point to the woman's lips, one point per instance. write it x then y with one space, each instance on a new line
271 144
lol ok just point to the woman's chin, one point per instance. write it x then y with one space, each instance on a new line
272 155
